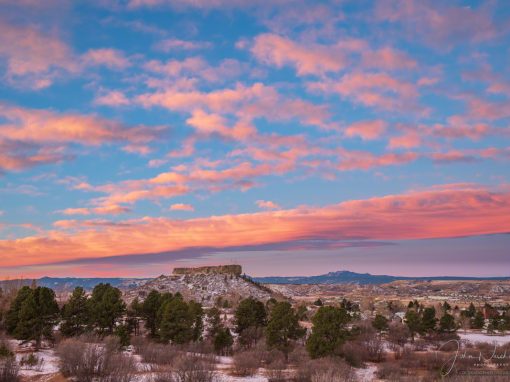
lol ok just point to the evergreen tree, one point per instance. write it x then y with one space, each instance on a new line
329 331
471 311
106 307
412 320
447 323
478 320
176 322
282 328
150 308
37 312
380 323
222 340
12 315
429 320
213 322
197 313
250 317
75 314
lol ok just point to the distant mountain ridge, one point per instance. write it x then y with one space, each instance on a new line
69 283
347 277
337 277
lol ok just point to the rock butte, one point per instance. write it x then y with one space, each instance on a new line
231 269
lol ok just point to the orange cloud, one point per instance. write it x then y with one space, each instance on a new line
31 136
181 207
436 213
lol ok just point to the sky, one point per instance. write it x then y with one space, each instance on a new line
293 137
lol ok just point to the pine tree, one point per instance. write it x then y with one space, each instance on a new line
282 328
106 307
197 313
176 322
150 308
380 323
329 331
12 315
75 314
412 320
429 320
447 323
222 340
35 312
478 320
250 317
213 322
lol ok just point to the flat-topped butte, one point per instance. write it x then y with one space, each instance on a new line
231 269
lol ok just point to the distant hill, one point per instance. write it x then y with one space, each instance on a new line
338 277
347 277
69 283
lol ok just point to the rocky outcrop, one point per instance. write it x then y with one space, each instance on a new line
231 269
205 285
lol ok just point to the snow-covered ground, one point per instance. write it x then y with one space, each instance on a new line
482 337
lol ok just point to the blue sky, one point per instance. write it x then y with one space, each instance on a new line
199 130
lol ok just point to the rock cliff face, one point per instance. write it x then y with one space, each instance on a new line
205 285
232 269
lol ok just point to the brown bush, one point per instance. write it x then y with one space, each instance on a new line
158 354
390 371
246 363
193 369
276 370
324 370
354 353
89 362
9 370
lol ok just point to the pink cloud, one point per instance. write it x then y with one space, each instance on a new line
387 58
111 98
363 160
439 24
407 141
367 130
307 59
435 213
379 90
181 207
267 205
34 58
176 44
111 58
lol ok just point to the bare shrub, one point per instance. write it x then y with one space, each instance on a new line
246 363
324 370
193 369
398 333
158 354
354 353
389 371
332 370
89 362
276 370
9 370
